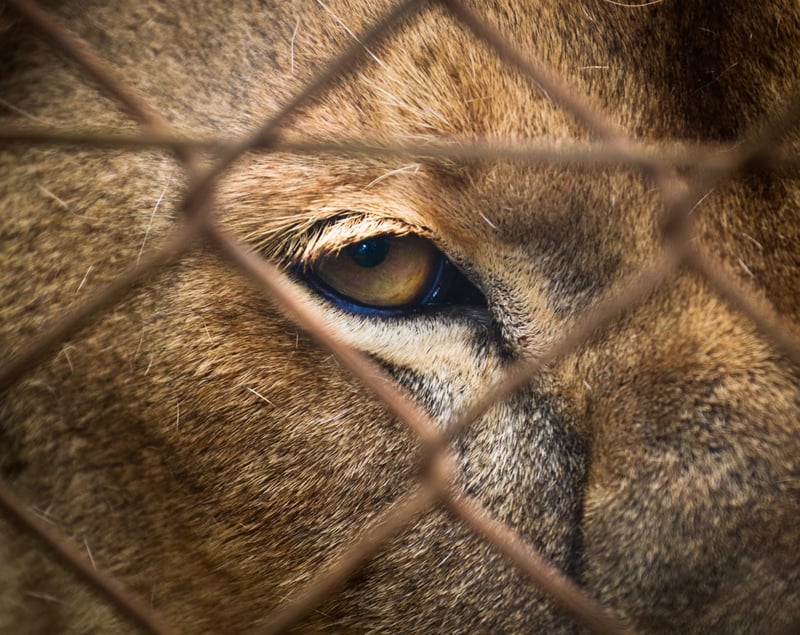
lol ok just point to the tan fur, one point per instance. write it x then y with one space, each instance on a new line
210 456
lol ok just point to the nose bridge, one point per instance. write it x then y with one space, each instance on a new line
526 463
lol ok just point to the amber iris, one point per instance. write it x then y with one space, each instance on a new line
384 271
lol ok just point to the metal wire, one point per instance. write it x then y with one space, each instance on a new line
436 487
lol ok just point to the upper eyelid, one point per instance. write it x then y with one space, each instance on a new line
332 235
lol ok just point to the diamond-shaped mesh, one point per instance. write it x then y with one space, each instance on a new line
435 486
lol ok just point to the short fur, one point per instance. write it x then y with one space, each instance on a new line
204 451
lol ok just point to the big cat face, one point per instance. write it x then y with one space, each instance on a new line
415 317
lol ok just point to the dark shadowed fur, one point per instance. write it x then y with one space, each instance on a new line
209 455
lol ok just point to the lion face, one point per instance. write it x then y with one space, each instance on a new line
204 449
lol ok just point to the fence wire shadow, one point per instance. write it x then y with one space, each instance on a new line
659 163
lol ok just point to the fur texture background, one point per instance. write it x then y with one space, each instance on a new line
204 451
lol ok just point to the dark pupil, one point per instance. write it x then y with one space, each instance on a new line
369 253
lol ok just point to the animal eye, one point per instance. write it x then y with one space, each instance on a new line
391 275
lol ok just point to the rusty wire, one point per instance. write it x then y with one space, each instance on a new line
586 155
436 474
70 556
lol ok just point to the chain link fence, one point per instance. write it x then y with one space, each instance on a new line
436 484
